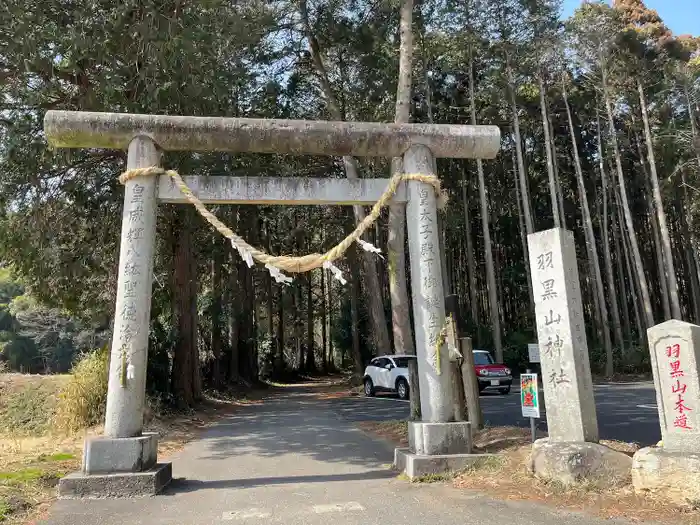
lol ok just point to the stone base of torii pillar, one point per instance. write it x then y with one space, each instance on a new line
671 471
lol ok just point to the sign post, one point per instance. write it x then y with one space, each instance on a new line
529 399
533 352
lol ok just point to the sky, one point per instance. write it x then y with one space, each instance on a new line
681 16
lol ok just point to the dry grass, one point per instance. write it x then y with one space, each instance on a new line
33 457
82 401
27 403
395 432
508 477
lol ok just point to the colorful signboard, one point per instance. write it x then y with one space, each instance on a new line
529 398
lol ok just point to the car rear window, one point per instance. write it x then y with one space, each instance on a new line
482 358
402 362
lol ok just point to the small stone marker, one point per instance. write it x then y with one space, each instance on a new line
672 471
674 347
566 371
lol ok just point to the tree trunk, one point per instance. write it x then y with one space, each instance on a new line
612 292
234 332
376 306
310 350
331 350
690 253
524 193
446 285
600 304
636 256
185 318
634 284
693 127
523 237
272 340
299 329
548 151
215 312
494 305
248 362
471 263
398 289
670 270
560 193
279 365
654 227
355 314
324 320
695 141
627 325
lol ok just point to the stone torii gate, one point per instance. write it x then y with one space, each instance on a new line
124 460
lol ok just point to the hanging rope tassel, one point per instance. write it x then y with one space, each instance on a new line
277 264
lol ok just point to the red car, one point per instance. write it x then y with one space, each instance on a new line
490 374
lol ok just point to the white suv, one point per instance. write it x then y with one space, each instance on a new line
388 373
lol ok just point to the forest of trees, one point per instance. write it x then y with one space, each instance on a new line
599 117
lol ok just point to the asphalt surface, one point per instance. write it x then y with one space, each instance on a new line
299 460
626 411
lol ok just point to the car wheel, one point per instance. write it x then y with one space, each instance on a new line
504 391
369 387
402 389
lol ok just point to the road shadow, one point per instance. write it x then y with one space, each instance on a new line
620 417
184 485
299 424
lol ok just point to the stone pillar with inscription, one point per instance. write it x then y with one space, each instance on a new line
129 357
672 470
124 461
566 371
437 443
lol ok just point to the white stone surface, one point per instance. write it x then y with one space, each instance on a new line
426 284
279 190
432 439
102 455
87 129
566 371
666 474
674 347
125 397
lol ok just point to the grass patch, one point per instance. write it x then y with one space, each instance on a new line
21 476
433 478
490 463
27 405
60 456
5 510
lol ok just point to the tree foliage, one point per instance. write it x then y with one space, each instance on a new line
60 209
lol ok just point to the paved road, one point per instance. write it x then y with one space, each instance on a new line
301 460
626 411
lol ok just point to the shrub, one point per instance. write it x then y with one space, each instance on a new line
82 402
